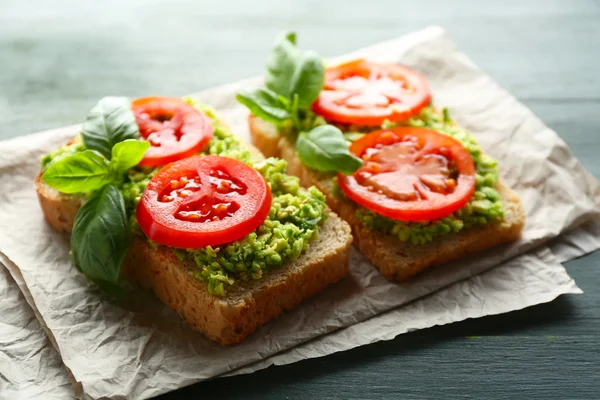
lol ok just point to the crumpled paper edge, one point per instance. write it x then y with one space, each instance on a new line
30 367
382 327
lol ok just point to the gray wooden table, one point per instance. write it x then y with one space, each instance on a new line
58 58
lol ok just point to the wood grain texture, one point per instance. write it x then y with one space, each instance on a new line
58 58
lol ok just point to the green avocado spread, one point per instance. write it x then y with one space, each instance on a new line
62 152
292 223
484 207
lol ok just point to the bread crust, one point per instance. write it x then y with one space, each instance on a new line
396 260
247 305
58 208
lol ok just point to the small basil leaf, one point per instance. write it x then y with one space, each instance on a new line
264 104
281 64
308 79
100 236
80 172
291 37
128 154
324 148
110 121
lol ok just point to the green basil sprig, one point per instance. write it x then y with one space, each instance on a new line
101 235
293 80
325 148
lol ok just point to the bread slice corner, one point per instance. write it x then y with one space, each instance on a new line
247 305
396 260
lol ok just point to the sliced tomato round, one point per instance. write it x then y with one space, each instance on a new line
203 201
174 129
410 174
366 93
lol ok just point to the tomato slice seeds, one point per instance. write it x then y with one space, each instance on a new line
366 93
410 174
203 201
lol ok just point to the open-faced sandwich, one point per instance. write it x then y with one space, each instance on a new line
159 191
416 189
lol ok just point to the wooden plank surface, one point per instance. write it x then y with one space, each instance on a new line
58 58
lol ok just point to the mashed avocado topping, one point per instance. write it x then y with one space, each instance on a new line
292 223
62 152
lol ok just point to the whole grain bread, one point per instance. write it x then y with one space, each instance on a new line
247 305
395 259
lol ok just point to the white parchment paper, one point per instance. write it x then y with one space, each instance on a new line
498 290
113 348
30 368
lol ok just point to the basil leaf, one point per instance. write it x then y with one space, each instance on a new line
281 64
308 79
264 104
128 154
110 121
80 172
291 71
290 37
100 236
324 148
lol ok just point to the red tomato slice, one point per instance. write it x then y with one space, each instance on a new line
174 128
366 93
410 174
203 201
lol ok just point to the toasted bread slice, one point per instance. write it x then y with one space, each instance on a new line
247 305
395 259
